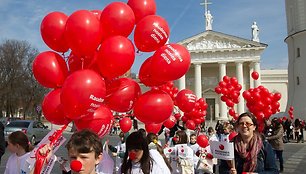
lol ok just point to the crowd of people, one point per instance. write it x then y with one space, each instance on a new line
143 153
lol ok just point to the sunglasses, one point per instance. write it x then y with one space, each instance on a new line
245 123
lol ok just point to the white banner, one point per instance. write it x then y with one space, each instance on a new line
222 150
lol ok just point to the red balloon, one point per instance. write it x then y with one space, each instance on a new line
116 56
232 135
226 79
224 91
76 63
52 29
151 33
238 87
170 122
246 95
190 125
97 13
233 81
222 84
185 100
99 122
50 69
202 141
153 127
184 118
232 112
275 105
177 116
277 96
218 90
230 103
255 75
145 76
125 124
170 62
142 8
224 98
117 18
122 94
153 106
83 33
52 108
291 108
82 93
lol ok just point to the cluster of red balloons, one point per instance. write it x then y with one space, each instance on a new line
290 112
261 102
229 88
87 89
194 108
169 88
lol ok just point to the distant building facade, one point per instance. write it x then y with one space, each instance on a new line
214 55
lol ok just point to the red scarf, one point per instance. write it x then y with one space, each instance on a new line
250 155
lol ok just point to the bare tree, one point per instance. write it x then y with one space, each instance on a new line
19 90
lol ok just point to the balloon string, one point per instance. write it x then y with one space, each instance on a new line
124 115
198 130
65 57
82 59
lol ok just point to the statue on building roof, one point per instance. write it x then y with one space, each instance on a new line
255 32
209 20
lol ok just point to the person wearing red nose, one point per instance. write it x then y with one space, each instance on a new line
84 151
138 159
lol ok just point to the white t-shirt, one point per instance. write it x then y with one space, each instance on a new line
159 166
15 164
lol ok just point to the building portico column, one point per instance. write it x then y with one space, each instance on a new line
251 66
257 69
222 72
198 80
182 83
239 74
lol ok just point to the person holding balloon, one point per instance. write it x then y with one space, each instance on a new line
204 163
138 159
252 153
84 151
182 158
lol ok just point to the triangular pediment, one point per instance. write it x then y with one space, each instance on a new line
211 40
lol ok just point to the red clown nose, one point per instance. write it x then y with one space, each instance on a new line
132 155
76 165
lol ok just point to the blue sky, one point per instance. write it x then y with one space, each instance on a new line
20 19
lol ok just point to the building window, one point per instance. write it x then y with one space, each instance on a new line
298 80
298 53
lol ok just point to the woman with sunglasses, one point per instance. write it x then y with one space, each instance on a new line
252 153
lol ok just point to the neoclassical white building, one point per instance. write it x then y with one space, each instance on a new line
296 41
214 55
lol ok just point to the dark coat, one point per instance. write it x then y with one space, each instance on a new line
265 162
2 141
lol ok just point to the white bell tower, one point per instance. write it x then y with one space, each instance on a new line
296 41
